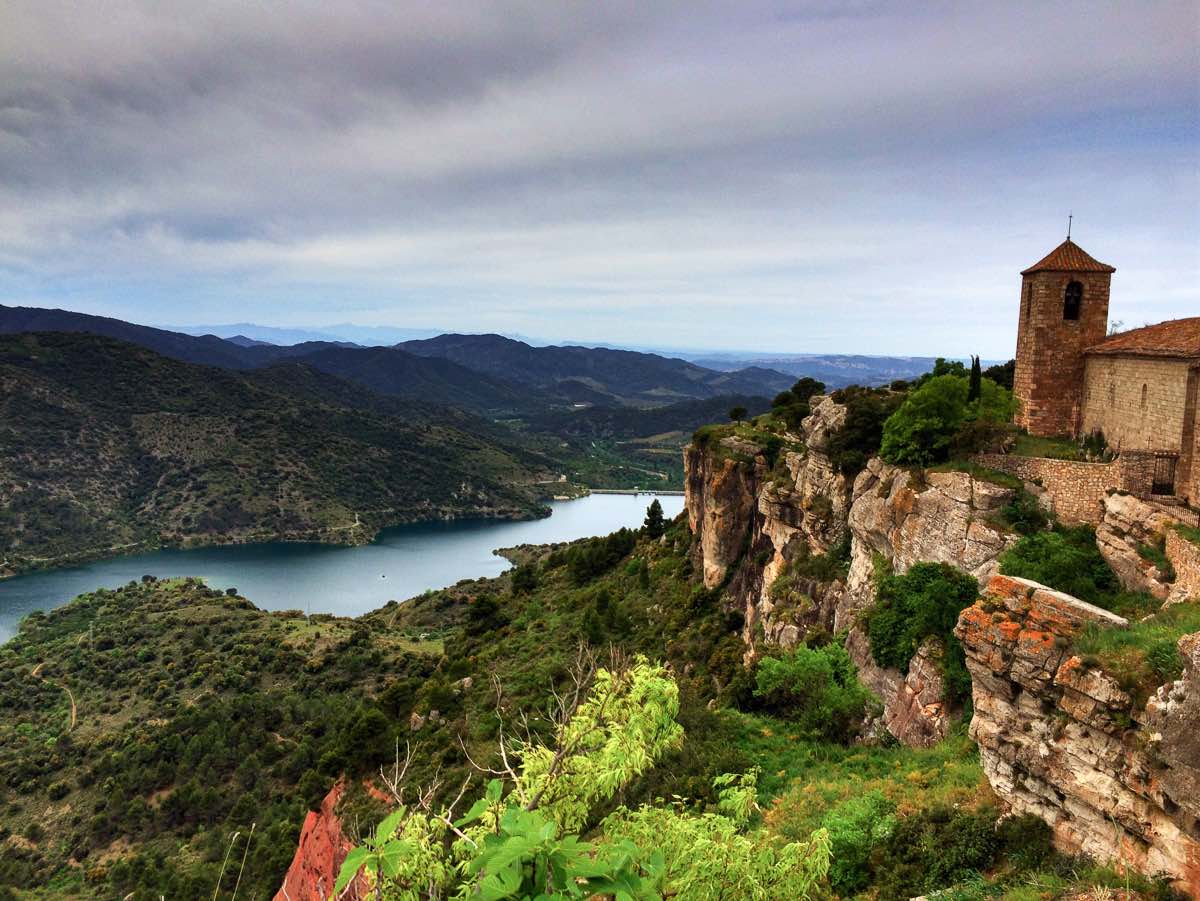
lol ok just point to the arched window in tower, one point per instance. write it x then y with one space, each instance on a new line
1027 301
1073 300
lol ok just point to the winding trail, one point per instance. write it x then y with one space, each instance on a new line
36 673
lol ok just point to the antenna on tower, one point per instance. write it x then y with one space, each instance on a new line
1070 216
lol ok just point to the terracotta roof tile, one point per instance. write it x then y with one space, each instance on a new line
1173 338
1068 257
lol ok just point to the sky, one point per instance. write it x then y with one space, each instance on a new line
825 177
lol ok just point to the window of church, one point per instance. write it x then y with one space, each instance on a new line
1073 300
1143 395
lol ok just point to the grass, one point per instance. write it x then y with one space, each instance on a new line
1190 533
983 473
1144 655
1054 448
1156 554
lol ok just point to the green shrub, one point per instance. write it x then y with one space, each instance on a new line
1144 655
938 415
1065 559
856 827
1027 841
923 602
1024 514
817 688
867 409
934 849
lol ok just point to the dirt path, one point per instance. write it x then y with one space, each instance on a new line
36 673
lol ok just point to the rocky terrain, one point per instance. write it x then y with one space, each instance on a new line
799 547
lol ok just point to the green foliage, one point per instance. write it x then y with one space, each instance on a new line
1065 559
867 409
792 406
1190 533
974 382
525 579
524 844
654 525
923 602
857 826
737 414
1002 374
1156 553
932 850
938 416
1024 514
817 689
1145 654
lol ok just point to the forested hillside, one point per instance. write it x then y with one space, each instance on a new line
108 446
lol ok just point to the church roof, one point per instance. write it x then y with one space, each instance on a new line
1173 338
1068 257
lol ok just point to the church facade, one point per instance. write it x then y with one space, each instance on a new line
1139 388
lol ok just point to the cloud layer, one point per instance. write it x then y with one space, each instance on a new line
793 177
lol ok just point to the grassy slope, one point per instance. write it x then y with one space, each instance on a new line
107 444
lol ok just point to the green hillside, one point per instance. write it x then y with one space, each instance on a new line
107 446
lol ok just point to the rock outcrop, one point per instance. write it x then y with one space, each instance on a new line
1127 524
1061 740
322 848
756 525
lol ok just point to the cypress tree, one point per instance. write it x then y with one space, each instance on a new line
975 385
655 525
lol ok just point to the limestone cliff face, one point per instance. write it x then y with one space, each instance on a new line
753 523
1128 523
1063 741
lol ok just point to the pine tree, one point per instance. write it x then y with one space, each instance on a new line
655 525
975 385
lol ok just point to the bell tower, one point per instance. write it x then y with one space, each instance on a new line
1064 311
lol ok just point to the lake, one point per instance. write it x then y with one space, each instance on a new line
320 578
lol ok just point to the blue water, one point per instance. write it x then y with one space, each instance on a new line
402 562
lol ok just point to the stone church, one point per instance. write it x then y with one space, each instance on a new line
1138 387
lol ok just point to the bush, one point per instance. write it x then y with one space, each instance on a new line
924 602
856 827
817 688
937 417
1066 560
934 849
867 409
1024 514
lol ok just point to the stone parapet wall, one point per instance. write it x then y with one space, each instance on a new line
1185 560
1076 490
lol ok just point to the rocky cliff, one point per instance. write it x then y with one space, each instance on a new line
319 854
759 528
1060 739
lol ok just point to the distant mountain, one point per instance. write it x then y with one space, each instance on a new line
243 341
345 332
108 446
382 369
621 376
624 423
207 349
835 370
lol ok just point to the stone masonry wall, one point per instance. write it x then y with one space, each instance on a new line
1185 559
1076 490
1048 382
1138 402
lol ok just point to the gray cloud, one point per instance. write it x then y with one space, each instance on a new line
864 177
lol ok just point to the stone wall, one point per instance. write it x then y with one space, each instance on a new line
1138 402
1048 382
1076 490
1062 741
1185 559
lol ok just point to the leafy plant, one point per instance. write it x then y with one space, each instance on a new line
928 424
817 688
654 525
1065 559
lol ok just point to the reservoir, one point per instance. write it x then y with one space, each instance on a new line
320 578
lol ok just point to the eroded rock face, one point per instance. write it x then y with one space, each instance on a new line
1064 742
915 708
945 519
319 855
721 497
1127 523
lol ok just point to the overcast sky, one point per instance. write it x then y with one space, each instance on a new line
807 177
